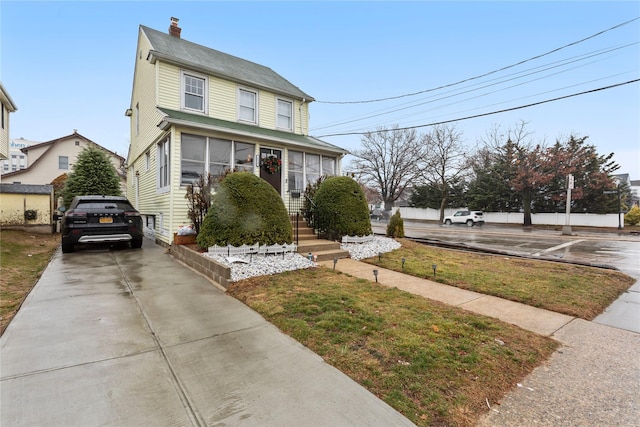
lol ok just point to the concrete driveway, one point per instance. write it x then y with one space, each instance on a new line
132 337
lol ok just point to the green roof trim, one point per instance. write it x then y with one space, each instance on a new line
181 118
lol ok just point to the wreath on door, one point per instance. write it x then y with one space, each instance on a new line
272 164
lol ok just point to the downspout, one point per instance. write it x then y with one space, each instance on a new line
300 112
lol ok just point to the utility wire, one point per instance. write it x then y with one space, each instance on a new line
484 114
485 74
478 86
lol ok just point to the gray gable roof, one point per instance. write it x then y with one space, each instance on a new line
26 189
200 58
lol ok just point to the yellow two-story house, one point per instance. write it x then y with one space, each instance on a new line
195 110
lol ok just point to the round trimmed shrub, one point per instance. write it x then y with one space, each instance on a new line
245 210
342 208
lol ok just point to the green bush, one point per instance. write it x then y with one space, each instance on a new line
342 208
245 210
395 227
633 216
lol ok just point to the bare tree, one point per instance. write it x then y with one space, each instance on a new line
446 163
389 161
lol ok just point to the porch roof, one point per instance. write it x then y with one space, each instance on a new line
180 118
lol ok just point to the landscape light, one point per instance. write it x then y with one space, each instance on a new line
335 261
375 273
403 261
434 266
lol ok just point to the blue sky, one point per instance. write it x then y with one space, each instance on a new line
69 65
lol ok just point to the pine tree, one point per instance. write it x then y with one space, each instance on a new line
93 173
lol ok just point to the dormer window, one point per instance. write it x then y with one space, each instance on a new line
247 106
194 92
284 119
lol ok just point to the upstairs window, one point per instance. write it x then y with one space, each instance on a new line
284 115
247 105
194 92
63 162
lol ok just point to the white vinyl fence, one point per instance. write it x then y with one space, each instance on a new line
576 219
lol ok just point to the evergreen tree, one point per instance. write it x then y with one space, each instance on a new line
93 173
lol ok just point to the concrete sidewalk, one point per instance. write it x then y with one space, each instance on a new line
543 322
133 338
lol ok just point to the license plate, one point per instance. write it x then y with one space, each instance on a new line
106 220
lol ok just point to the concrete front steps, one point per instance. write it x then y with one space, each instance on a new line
308 242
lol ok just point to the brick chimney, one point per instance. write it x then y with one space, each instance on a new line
174 30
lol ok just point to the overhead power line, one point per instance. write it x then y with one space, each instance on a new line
485 74
485 114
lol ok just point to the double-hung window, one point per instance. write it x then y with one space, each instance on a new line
247 106
63 162
194 92
284 119
163 163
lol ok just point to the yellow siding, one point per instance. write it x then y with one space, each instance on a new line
222 99
169 86
13 206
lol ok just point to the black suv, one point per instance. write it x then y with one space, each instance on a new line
100 219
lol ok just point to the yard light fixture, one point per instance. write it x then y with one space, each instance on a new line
403 261
434 266
335 261
310 256
379 257
375 273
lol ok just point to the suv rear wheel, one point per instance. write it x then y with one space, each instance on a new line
66 246
469 223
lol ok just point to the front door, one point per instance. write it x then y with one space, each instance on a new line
274 178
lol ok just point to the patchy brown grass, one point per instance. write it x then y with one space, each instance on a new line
23 258
436 364
574 290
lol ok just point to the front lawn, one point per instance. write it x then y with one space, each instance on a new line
574 290
436 364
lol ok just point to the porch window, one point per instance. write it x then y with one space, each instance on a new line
247 105
243 156
312 168
201 155
163 164
296 171
192 149
285 114
328 166
219 156
194 92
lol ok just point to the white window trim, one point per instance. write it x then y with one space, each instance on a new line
205 101
256 106
163 188
290 129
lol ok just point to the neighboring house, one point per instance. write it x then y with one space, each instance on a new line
195 110
48 160
7 106
17 159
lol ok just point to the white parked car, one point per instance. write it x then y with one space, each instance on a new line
470 218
